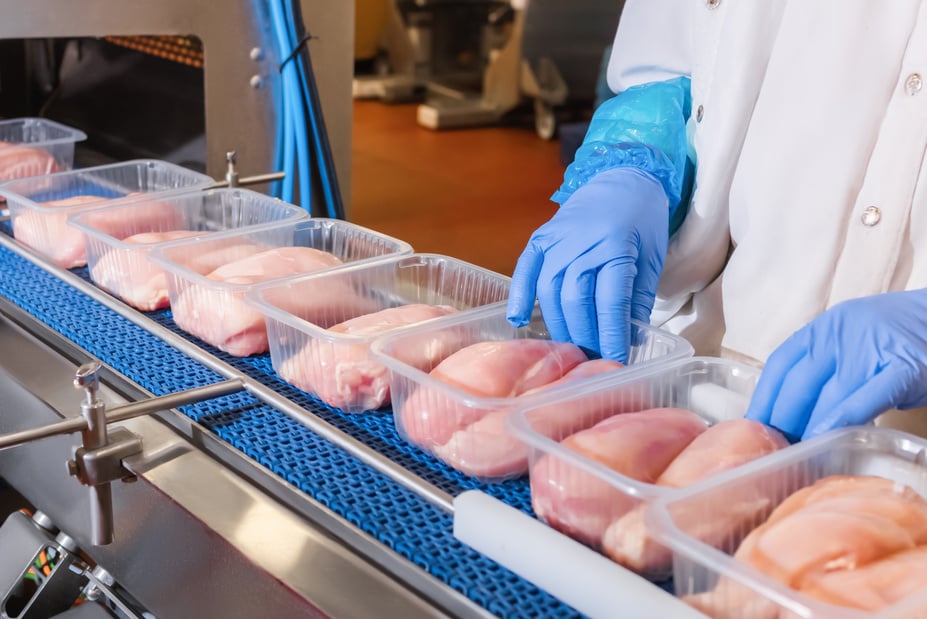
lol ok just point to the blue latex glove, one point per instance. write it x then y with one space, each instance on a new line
847 366
596 263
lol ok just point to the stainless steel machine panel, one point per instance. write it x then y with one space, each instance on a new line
241 68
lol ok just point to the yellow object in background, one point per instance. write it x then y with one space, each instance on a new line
370 17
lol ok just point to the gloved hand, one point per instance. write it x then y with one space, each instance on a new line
847 366
596 263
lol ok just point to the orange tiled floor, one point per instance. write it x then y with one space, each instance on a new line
475 194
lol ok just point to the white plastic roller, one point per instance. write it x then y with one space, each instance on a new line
586 580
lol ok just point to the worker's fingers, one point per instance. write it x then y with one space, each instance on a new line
649 268
523 289
774 374
550 283
873 397
800 392
614 288
578 300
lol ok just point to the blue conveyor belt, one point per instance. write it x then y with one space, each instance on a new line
392 514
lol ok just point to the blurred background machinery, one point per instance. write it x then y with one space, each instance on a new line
473 62
179 80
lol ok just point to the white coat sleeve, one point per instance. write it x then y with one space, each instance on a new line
654 43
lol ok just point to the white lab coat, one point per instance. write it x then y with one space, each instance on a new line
811 113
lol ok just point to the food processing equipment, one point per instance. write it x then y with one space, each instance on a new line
179 481
232 493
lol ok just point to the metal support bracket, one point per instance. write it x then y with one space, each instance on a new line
98 462
94 467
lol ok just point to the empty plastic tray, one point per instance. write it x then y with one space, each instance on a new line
119 259
44 227
335 365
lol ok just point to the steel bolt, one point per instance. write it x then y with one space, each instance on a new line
256 81
66 541
103 576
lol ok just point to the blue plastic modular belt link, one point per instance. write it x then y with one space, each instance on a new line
382 508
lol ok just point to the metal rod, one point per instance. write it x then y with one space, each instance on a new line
102 521
67 426
379 462
95 436
173 400
251 180
127 411
231 176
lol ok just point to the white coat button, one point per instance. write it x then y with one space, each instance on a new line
699 112
712 4
871 216
913 84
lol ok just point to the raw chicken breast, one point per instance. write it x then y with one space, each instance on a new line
495 369
130 274
838 524
877 585
733 600
216 254
721 447
559 421
841 533
831 487
17 161
220 316
487 449
638 445
50 234
342 374
274 263
150 238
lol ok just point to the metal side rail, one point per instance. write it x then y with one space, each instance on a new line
354 467
192 538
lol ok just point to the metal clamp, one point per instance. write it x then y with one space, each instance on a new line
231 177
103 465
98 462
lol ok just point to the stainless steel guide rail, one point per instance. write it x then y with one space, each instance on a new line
263 393
198 503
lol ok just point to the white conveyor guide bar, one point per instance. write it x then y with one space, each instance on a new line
589 582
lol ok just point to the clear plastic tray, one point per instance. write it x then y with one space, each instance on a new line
443 432
45 228
35 146
123 268
687 522
336 366
216 312
714 389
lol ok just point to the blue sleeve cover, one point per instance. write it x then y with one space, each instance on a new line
643 127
